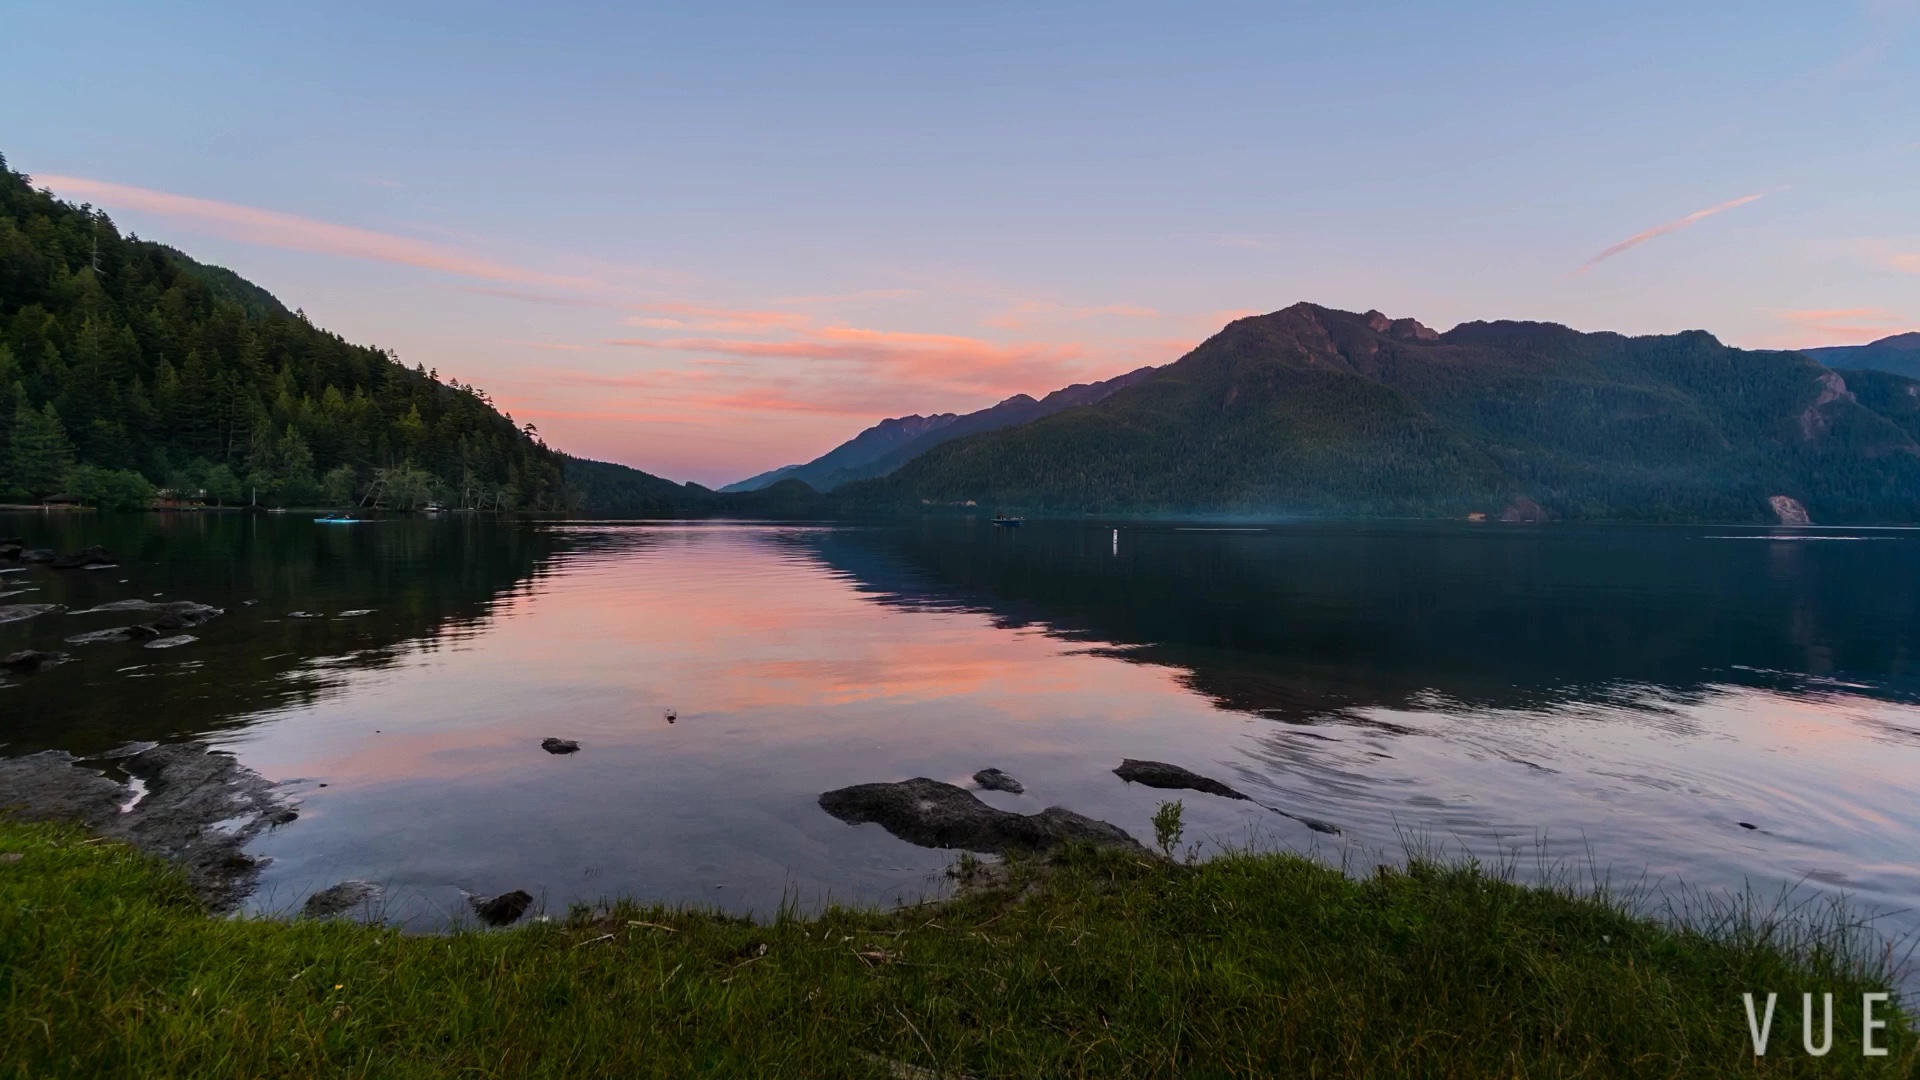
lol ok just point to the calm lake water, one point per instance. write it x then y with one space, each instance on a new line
1617 696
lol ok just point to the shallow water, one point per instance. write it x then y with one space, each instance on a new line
1619 698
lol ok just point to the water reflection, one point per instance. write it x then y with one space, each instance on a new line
1305 621
1625 695
409 584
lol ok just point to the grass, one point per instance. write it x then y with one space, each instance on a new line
1096 964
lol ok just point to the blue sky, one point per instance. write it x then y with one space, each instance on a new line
709 239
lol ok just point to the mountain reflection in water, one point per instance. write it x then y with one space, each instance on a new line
1626 695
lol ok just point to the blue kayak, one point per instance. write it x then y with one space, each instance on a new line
336 521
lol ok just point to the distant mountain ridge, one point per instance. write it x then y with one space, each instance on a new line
1899 354
892 443
1311 410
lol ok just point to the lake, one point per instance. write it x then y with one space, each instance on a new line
1618 698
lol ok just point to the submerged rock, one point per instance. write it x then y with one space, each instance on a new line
200 809
340 898
501 910
1159 774
85 557
933 814
114 633
38 555
17 612
27 661
171 642
997 780
559 746
168 615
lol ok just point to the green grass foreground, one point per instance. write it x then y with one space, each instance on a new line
1097 965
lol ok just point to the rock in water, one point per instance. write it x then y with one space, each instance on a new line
171 642
16 612
1159 774
997 780
501 910
559 746
340 898
93 556
933 814
31 660
95 637
38 555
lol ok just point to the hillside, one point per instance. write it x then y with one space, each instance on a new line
127 366
1899 354
1316 411
892 443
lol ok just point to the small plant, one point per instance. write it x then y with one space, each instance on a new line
966 868
1167 827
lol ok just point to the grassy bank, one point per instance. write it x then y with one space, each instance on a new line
1101 965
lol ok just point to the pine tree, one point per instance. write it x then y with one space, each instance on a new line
38 451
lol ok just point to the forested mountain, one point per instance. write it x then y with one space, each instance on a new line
126 366
890 444
1311 410
1899 354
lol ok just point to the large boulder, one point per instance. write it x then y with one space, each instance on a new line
933 814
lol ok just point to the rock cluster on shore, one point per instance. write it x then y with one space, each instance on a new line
199 808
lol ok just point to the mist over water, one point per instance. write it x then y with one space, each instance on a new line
1621 697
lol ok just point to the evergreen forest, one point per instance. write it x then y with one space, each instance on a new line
130 371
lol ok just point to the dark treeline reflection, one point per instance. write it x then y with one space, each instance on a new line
422 583
1303 621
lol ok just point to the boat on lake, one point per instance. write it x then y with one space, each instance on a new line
336 519
1008 522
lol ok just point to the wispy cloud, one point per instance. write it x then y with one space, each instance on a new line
1839 326
862 297
1906 263
1673 226
718 320
1030 313
271 228
933 359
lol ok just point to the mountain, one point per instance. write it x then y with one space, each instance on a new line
875 442
126 365
890 444
604 489
1899 354
1315 411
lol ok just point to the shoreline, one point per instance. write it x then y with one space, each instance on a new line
1090 962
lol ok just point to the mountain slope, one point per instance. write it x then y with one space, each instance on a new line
1899 354
890 444
125 360
1311 410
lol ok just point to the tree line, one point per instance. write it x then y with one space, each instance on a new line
128 370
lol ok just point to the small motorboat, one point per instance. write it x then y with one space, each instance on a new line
1008 522
336 519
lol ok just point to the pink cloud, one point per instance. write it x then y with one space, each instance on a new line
862 297
1905 263
271 228
1839 326
1034 312
723 320
1669 227
942 358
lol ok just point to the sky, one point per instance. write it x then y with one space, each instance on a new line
710 239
